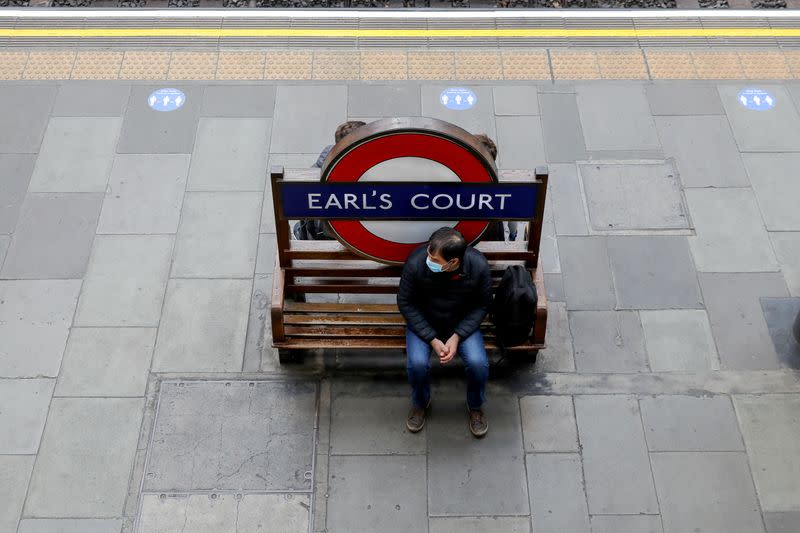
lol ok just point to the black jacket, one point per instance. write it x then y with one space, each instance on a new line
438 305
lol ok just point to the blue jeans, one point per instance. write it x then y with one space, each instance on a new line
476 364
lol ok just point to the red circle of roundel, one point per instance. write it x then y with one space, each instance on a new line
357 161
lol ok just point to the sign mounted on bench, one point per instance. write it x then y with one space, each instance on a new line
388 185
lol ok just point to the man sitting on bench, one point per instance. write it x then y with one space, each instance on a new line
444 295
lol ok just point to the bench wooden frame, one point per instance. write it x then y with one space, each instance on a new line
328 267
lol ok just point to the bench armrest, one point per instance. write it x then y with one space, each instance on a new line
276 306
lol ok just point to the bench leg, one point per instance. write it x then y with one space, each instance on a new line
291 357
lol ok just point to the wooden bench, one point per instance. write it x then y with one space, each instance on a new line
327 267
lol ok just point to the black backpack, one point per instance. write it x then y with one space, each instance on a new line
514 306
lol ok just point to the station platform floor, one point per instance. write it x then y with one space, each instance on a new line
138 388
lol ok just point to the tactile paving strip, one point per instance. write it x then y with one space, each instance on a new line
12 65
384 66
574 65
793 62
717 65
141 65
336 65
479 66
670 65
526 66
765 65
431 65
240 66
193 66
49 66
288 65
622 65
97 66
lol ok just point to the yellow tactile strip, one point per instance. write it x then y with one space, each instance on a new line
388 65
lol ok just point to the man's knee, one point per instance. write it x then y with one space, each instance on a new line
418 366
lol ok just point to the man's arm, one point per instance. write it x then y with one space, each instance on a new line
470 323
412 314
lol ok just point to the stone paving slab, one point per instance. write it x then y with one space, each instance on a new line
558 356
787 252
125 281
15 471
685 423
728 221
780 315
776 130
782 522
325 106
35 317
693 350
15 176
587 274
5 242
555 485
548 424
721 481
23 411
235 435
519 141
25 110
615 460
106 362
230 155
771 432
608 341
238 101
775 185
53 237
85 460
91 99
680 99
267 248
513 100
561 128
616 117
627 524
224 513
145 194
258 341
361 499
480 524
478 119
67 525
564 191
146 131
76 155
383 100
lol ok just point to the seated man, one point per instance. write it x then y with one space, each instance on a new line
445 292
317 230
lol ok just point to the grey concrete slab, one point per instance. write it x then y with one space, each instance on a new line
230 154
238 101
85 459
203 326
787 252
704 150
681 99
146 131
292 161
91 99
125 281
514 100
728 223
548 245
558 356
688 423
5 242
478 119
633 196
383 100
267 247
377 494
782 522
627 524
480 524
296 106
53 237
548 424
224 513
145 194
564 190
558 500
235 435
76 155
25 110
519 142
15 176
561 128
737 320
267 212
616 117
608 341
772 435
587 273
23 410
679 340
554 286
372 425
780 315
35 317
15 471
774 130
615 462
775 184
654 272
706 491
218 235
476 477
106 362
68 525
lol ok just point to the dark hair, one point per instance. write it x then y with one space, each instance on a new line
487 143
346 127
447 242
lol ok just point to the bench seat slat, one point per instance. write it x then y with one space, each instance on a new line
310 343
359 319
304 307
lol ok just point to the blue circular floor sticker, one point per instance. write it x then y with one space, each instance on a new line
756 99
166 99
458 98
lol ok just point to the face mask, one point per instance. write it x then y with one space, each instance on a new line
435 267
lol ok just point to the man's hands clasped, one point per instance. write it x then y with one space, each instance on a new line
446 350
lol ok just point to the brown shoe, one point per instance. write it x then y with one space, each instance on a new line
478 424
416 418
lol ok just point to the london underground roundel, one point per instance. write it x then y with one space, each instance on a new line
414 150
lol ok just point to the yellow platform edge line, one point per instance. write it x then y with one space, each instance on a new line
396 33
